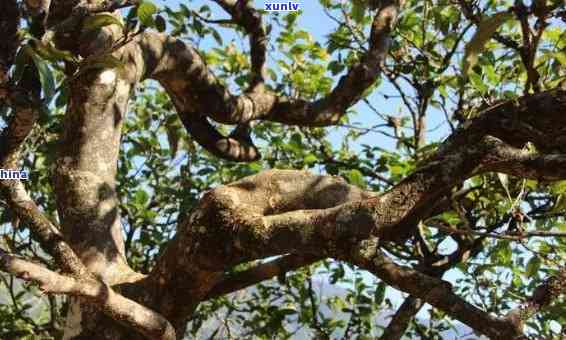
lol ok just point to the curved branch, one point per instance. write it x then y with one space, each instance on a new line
400 321
261 272
194 262
236 147
278 212
527 164
124 310
434 291
197 94
250 20
194 89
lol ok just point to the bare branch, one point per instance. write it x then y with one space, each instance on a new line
261 272
124 310
204 248
526 164
236 147
513 237
400 321
274 199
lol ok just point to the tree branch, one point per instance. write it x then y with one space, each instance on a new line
24 101
526 164
261 272
435 265
194 262
121 309
400 321
236 147
434 291
281 212
194 89
250 20
197 93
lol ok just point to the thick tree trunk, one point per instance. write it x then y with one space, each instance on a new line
85 185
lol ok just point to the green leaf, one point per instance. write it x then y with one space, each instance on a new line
379 294
45 75
561 57
63 97
485 30
141 198
287 311
533 266
160 24
358 11
217 37
173 137
504 179
310 159
50 52
477 82
22 59
355 177
335 67
145 13
100 20
503 253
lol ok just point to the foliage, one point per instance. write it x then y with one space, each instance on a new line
442 69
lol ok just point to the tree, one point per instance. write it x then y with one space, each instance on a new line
145 215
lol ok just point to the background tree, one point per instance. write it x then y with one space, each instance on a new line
432 132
